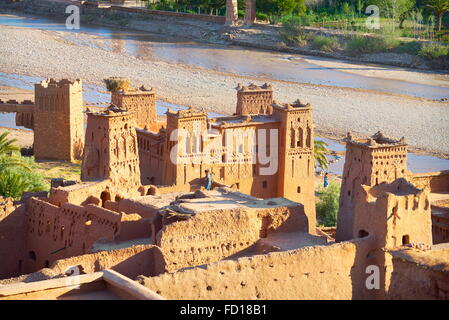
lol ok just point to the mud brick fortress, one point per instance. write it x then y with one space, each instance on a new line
55 118
140 215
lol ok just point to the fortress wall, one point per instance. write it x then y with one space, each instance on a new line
85 192
132 261
48 7
59 232
202 17
320 272
13 222
210 236
419 275
150 156
437 181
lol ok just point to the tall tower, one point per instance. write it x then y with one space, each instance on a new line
368 162
296 160
253 99
140 102
58 120
110 149
184 143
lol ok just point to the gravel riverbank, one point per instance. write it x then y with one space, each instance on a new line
337 110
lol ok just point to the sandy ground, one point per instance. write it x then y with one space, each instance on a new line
24 138
336 110
393 73
11 93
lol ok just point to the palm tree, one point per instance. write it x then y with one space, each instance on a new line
13 184
439 7
6 145
8 151
320 151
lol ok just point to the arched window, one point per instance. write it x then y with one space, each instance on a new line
32 255
300 142
363 233
405 239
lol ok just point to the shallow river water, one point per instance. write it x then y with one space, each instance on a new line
232 59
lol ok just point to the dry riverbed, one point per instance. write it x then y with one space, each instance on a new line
336 110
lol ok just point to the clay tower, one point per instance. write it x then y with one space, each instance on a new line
296 160
184 130
253 99
140 102
58 120
110 149
368 162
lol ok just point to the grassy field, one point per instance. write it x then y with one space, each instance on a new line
59 169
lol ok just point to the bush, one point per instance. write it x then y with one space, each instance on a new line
328 44
328 204
411 47
163 5
262 16
437 55
303 20
117 83
15 180
432 51
292 31
365 44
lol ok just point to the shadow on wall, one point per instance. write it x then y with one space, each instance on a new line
368 269
13 243
150 263
411 280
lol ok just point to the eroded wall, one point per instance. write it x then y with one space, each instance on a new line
212 235
13 228
419 275
137 260
319 272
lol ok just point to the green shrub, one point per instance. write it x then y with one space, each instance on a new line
15 180
163 5
328 44
437 55
292 31
411 47
262 16
366 44
117 83
432 51
303 20
328 204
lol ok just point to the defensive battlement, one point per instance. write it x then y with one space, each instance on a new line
378 140
142 90
291 106
11 101
187 113
254 87
111 111
227 122
400 187
63 83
